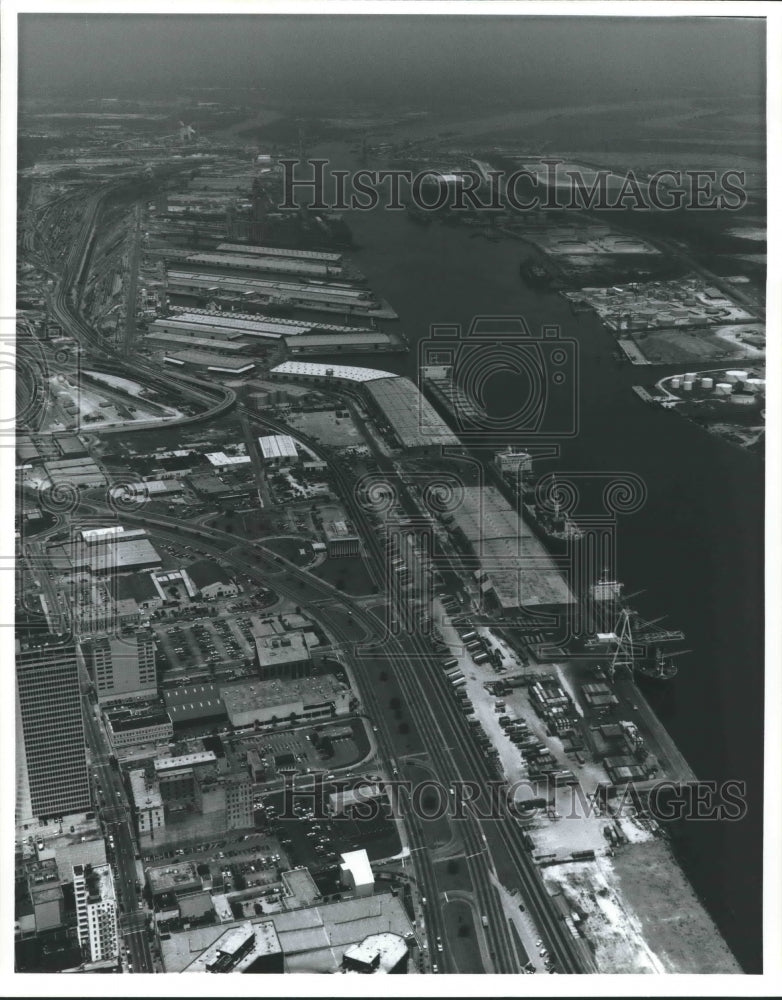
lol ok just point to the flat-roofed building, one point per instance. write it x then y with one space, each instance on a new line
278 450
378 953
340 540
129 727
191 703
282 656
308 698
96 912
342 802
356 873
210 360
122 666
248 948
312 939
515 568
414 423
310 371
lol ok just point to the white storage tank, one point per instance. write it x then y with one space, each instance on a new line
690 376
723 388
707 383
736 375
675 383
687 385
755 385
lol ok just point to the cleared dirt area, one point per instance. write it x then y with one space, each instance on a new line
674 924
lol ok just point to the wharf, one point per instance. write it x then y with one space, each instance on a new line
658 740
632 352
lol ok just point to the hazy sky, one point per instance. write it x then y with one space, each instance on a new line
578 58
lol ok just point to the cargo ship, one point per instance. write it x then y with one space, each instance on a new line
535 274
554 524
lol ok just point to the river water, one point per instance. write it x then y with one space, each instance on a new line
695 547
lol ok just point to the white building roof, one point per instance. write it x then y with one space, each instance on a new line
219 458
314 370
357 863
186 760
278 446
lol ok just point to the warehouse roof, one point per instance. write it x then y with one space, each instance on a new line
220 459
165 339
119 554
521 571
193 701
332 258
237 323
412 417
210 360
346 372
330 339
290 289
278 446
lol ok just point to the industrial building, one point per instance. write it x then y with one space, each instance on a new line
411 418
343 343
309 371
75 471
121 553
226 327
326 258
278 450
51 760
210 360
356 873
194 703
261 263
307 699
320 297
341 540
516 571
221 462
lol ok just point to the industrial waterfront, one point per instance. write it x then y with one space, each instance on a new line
375 664
695 548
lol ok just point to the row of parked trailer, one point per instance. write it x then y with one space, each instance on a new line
541 763
458 682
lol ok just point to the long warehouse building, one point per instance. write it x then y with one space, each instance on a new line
413 421
270 265
516 570
328 258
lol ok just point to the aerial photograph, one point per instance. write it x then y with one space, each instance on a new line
388 474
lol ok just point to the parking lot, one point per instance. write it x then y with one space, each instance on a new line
187 645
327 747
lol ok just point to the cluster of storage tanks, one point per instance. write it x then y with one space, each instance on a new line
724 387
